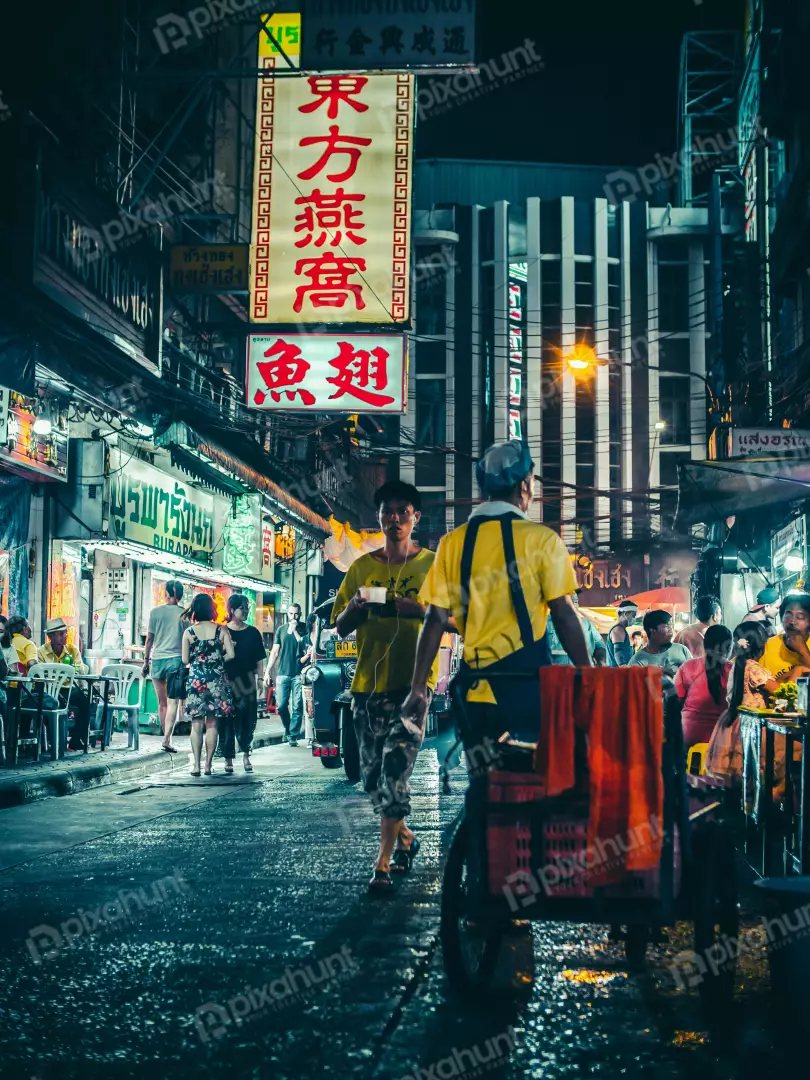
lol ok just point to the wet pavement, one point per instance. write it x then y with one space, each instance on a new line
220 927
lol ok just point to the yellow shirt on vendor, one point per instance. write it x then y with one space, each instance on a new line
491 630
69 655
386 644
778 658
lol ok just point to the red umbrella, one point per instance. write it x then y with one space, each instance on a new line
671 597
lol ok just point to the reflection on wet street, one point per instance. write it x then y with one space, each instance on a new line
173 929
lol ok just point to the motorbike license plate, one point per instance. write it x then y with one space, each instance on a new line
344 649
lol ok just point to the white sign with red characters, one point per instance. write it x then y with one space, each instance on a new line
353 373
332 203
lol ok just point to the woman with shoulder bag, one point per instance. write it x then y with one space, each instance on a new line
207 647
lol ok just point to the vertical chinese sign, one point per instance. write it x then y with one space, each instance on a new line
332 199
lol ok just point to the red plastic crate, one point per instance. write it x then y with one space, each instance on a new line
563 872
509 833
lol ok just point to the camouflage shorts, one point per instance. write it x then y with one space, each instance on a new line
387 751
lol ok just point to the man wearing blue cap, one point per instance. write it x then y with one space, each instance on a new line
500 576
766 609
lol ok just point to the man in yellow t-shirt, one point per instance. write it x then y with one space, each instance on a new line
787 655
500 576
386 645
56 650
19 633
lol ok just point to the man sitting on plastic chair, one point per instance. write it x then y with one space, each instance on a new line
58 651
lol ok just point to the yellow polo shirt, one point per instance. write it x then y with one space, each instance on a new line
26 649
491 629
69 655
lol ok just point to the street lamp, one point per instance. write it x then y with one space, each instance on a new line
660 425
582 358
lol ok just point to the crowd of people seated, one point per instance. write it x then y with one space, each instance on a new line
716 672
20 654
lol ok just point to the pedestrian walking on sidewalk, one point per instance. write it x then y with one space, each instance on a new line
206 648
289 648
162 659
243 671
386 647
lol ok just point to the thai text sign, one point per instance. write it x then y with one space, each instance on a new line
151 508
210 268
325 373
748 442
603 575
332 245
361 34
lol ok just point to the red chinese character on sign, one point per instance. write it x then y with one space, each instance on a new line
329 281
357 369
333 139
329 212
334 89
283 372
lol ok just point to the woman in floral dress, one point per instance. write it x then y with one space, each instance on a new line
206 648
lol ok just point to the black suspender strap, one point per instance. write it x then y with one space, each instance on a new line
515 588
467 552
512 571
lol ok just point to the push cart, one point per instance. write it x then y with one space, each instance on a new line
518 855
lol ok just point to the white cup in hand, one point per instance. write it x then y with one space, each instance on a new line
374 594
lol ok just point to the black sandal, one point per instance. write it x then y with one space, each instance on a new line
381 882
402 859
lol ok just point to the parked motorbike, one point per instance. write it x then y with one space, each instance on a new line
326 683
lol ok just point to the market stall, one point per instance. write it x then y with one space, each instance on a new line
159 527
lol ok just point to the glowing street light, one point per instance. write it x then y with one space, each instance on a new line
660 425
581 357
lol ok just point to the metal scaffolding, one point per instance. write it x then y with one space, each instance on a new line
708 90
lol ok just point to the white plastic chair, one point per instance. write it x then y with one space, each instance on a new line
58 680
126 674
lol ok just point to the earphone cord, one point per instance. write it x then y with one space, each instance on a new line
396 633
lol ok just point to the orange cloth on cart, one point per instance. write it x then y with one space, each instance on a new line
623 708
554 753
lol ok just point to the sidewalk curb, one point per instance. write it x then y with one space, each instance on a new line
18 790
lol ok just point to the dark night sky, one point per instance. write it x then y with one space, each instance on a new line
608 93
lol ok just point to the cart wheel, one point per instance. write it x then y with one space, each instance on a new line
331 762
351 751
470 949
715 911
635 946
